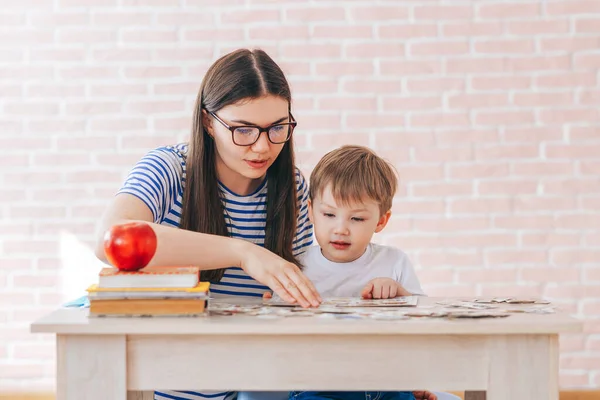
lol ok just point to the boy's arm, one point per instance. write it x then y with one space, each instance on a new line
383 288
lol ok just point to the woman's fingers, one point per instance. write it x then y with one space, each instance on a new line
313 289
306 283
280 290
284 278
305 286
294 290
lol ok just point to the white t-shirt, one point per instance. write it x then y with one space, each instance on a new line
333 279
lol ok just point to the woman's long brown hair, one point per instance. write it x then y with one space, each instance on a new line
240 75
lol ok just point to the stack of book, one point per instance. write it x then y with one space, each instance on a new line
151 291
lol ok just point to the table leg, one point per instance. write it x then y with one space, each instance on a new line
91 367
523 367
474 395
140 395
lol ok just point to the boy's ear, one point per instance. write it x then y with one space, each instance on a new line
310 211
207 122
383 220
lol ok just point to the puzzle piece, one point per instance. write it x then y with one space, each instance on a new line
511 300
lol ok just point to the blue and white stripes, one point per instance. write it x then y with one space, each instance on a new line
158 179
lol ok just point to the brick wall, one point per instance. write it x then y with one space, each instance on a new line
489 109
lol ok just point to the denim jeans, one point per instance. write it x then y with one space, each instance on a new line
285 395
351 396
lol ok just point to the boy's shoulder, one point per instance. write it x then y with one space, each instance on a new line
390 256
386 250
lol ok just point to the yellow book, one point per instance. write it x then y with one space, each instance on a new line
148 307
98 293
200 287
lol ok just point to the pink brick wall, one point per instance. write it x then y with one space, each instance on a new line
489 109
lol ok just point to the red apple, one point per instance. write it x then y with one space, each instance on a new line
130 246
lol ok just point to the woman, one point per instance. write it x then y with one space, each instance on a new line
233 186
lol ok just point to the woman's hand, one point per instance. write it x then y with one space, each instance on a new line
283 277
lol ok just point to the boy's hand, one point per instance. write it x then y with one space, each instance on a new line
383 288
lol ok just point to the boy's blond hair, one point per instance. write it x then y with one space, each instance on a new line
355 173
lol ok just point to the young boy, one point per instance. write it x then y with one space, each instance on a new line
351 193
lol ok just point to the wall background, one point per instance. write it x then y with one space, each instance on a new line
489 110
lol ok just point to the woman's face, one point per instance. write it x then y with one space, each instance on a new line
242 168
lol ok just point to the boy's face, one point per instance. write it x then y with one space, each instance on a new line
343 232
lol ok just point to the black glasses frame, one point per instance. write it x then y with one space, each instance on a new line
292 124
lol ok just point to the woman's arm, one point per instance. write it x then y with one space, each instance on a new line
176 247
181 247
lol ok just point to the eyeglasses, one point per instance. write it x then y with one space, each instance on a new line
247 135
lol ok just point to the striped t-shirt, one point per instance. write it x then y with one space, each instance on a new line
158 179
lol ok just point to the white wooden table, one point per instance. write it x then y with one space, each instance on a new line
103 358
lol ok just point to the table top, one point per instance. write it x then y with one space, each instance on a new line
76 321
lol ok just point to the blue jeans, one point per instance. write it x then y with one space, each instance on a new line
351 395
285 395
